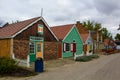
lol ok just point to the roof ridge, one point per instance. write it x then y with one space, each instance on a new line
13 28
62 25
23 20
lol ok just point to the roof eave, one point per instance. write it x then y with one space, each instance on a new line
6 37
41 18
26 27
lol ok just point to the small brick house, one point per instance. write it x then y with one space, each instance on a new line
28 40
69 39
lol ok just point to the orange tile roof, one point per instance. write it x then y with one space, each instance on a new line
84 33
81 29
84 36
61 31
11 29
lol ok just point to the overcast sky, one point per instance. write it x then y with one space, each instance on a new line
55 12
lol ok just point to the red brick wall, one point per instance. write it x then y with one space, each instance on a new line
21 49
50 50
21 41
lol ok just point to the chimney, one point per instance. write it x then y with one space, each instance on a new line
78 22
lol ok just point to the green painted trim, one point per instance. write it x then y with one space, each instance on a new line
33 55
42 39
43 50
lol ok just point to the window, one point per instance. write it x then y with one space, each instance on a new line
67 46
31 47
38 48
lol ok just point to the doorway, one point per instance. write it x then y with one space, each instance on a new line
39 50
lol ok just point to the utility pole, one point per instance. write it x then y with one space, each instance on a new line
41 11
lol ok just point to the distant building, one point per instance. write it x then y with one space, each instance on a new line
118 44
97 41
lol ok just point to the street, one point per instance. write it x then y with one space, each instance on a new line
107 67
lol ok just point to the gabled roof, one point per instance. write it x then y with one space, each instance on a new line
11 30
84 33
84 37
62 30
81 29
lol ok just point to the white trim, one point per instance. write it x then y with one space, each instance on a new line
68 33
26 27
28 61
64 46
79 34
79 55
12 54
71 47
49 28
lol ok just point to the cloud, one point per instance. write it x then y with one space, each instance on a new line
58 12
107 7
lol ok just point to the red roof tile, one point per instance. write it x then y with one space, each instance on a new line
62 30
84 36
81 29
84 33
11 29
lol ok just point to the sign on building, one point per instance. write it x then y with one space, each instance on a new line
40 29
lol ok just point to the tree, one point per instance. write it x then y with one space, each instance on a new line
88 25
117 37
95 26
106 34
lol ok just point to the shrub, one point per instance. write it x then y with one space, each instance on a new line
94 56
83 58
7 65
87 58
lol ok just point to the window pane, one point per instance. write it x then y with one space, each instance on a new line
38 48
31 47
67 47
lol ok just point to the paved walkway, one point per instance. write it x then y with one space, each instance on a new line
104 68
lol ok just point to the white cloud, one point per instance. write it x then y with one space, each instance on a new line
63 11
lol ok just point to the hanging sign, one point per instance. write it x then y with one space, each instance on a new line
40 29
